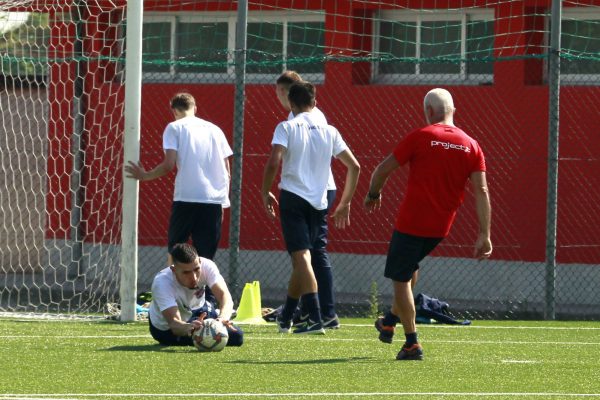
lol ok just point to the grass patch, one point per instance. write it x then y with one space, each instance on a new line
491 359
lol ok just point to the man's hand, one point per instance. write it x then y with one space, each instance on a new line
228 324
135 170
341 216
197 323
483 247
269 202
372 204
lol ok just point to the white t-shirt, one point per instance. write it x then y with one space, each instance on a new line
167 293
309 144
321 118
202 148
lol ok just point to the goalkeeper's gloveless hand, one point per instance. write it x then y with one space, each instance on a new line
228 324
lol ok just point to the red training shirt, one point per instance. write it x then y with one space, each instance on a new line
441 159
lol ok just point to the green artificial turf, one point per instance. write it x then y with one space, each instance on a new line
490 359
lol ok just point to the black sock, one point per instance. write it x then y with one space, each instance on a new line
288 309
411 338
390 319
313 307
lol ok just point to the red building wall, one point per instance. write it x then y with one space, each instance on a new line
509 118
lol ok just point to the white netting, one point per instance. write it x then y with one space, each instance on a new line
12 4
60 156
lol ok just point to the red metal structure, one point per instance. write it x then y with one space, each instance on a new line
509 118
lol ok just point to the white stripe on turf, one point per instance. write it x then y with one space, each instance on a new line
313 337
73 396
442 326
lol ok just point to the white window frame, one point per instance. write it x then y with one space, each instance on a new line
231 19
574 13
418 17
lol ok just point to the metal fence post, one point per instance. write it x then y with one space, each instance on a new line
238 142
553 131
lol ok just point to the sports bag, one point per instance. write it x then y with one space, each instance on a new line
432 308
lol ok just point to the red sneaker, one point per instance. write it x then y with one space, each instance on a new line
386 333
413 352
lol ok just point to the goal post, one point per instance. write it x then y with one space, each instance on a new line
131 151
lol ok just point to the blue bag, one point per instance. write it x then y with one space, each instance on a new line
431 308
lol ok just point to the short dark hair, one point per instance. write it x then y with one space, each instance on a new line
288 78
183 253
182 102
302 94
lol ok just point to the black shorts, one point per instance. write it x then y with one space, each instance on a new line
201 221
405 253
300 222
168 338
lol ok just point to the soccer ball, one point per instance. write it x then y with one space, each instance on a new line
212 336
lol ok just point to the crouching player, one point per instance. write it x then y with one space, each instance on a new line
178 304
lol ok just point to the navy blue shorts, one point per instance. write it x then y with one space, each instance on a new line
168 338
201 221
405 253
300 222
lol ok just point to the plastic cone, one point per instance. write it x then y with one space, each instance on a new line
249 311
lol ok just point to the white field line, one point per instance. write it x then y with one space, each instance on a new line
22 397
320 338
442 326
50 317
73 396
76 337
475 342
11 316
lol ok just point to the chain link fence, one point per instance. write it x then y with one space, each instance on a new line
371 90
372 63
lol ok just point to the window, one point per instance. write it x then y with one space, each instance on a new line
183 47
202 47
24 42
431 46
580 43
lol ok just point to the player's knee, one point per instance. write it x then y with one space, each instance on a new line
236 337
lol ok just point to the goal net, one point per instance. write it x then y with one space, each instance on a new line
62 101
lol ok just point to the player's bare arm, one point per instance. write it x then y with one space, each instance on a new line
228 167
224 299
380 175
483 245
177 325
271 169
341 215
137 171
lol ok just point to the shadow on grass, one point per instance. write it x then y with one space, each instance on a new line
304 362
144 347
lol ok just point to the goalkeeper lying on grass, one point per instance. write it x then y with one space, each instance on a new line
178 303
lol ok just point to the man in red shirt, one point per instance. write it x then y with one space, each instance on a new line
441 158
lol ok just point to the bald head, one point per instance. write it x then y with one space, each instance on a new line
438 106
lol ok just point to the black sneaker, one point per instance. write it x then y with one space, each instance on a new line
311 328
386 333
283 326
299 320
331 323
413 352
